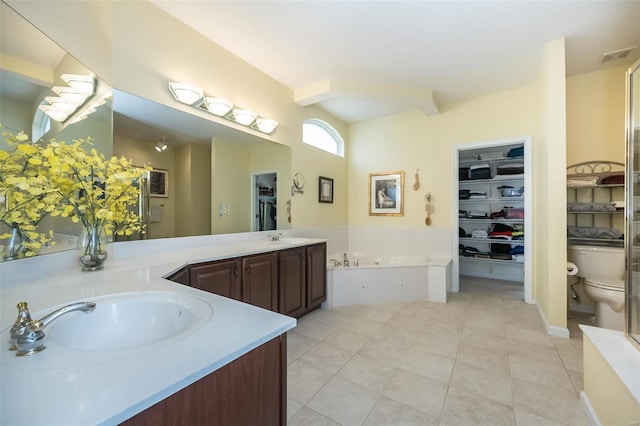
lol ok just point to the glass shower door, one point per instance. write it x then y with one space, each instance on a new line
632 328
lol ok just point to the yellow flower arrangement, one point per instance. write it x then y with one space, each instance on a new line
26 196
70 180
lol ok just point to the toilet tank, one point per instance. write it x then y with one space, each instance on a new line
597 261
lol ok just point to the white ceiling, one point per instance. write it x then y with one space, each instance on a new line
365 59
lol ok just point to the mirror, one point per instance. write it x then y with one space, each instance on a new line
31 65
218 180
632 305
210 170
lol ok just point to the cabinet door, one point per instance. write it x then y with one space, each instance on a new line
260 280
182 276
316 275
222 277
292 271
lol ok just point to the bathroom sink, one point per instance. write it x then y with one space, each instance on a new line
129 320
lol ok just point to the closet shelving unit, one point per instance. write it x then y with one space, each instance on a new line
596 193
483 265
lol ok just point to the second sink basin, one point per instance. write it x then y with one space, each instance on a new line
127 321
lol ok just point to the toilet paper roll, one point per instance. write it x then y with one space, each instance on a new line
572 269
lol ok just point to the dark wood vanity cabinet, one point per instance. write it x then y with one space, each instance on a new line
246 392
292 268
316 275
291 281
260 280
221 277
303 279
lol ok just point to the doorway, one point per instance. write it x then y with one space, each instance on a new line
265 196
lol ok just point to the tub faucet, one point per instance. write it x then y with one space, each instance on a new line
345 261
27 336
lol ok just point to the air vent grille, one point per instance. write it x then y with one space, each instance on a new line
616 54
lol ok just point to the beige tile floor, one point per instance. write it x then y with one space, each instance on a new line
476 360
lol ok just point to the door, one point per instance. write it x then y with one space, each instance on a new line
221 277
316 275
293 278
260 280
265 201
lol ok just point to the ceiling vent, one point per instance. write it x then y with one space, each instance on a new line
616 54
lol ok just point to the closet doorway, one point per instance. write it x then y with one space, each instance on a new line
264 198
493 235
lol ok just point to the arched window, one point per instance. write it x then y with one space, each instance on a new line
322 135
41 124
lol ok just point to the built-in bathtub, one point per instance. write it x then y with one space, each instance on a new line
372 280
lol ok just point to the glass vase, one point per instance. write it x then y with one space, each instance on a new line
92 248
14 246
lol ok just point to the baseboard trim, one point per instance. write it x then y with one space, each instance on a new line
552 330
589 411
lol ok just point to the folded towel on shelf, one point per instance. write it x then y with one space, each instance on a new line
593 232
479 233
613 179
496 155
591 207
577 181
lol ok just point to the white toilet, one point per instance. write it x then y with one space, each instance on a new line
602 269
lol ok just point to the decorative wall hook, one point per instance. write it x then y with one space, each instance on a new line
416 185
428 208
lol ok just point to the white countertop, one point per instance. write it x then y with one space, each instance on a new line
108 392
623 358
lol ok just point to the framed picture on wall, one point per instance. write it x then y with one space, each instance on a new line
325 190
386 194
159 183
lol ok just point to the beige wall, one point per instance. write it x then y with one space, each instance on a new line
550 197
138 48
231 186
411 141
193 193
595 116
610 398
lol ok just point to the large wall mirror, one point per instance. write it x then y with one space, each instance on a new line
210 178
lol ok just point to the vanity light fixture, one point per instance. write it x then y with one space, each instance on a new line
186 93
82 83
70 98
161 145
217 106
265 125
242 116
194 96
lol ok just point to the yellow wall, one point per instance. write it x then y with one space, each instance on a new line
550 197
595 116
231 186
138 48
610 398
411 141
192 178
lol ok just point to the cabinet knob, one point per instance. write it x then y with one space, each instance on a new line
235 270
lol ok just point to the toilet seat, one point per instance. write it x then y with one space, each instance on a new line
610 284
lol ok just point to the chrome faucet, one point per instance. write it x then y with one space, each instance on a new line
275 237
27 336
345 261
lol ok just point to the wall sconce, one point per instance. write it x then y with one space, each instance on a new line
265 125
194 96
161 145
186 93
242 116
70 98
217 106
